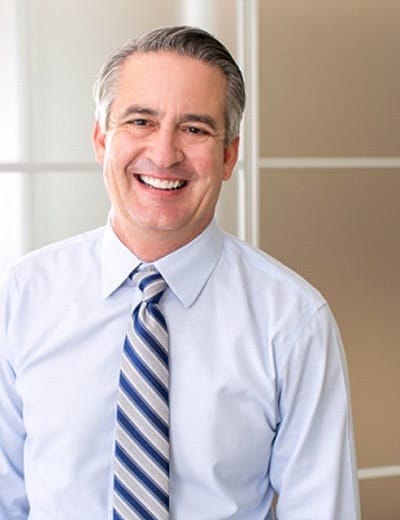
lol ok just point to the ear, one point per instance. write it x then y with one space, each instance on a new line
231 153
99 142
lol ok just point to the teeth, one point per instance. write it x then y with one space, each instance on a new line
161 184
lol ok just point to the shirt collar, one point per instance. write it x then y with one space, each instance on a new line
117 262
185 270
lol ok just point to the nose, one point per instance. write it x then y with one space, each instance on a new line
164 148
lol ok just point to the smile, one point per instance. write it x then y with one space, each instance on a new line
161 184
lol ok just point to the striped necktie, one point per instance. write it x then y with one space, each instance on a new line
141 473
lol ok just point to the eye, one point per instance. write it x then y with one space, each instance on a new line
139 126
138 122
195 134
196 131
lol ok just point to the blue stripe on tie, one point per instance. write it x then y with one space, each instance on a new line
142 476
153 453
148 338
146 372
116 516
143 406
148 279
132 501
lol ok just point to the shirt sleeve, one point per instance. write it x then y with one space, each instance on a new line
313 466
13 500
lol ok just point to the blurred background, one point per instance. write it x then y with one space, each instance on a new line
317 185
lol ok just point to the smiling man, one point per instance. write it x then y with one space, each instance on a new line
157 367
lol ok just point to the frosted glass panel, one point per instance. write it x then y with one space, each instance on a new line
66 203
10 88
11 215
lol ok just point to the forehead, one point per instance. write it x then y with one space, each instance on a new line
165 79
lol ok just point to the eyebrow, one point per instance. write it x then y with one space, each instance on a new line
137 109
186 118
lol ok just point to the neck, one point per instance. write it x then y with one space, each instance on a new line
150 246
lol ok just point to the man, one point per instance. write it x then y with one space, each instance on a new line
255 400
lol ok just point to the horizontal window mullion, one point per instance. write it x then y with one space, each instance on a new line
328 162
48 167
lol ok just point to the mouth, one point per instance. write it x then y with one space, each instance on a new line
161 184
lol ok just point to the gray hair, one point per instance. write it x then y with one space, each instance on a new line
184 41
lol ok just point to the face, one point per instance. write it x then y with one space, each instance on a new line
163 153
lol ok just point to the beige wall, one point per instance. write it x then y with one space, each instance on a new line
330 87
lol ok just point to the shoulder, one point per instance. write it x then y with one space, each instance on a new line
60 260
77 244
280 300
273 284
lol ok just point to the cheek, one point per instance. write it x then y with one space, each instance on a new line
210 164
216 169
120 148
119 154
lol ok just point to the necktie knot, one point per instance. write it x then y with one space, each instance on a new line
151 283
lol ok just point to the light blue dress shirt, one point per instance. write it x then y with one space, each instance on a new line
259 397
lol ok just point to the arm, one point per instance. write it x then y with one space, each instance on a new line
313 465
13 500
